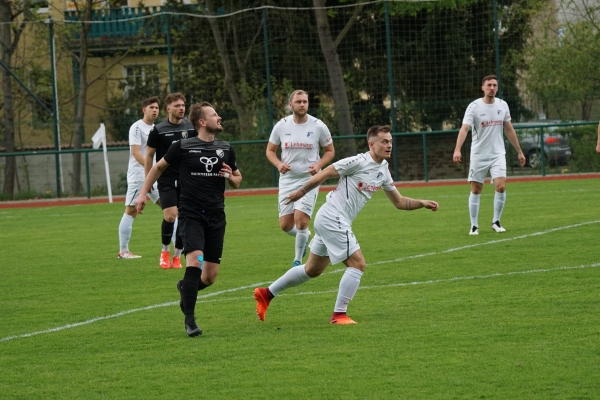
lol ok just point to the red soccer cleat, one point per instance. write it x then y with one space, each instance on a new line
176 262
261 295
342 319
165 259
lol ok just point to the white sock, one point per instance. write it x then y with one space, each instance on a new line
499 200
177 252
174 237
348 287
166 247
474 208
125 228
302 237
292 232
293 277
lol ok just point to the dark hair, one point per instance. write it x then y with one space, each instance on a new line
197 113
374 131
150 100
489 78
172 97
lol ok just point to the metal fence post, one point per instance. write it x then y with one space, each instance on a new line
269 89
391 87
425 166
497 48
169 53
87 174
57 157
542 151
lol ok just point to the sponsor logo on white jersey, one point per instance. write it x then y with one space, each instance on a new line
298 145
366 187
494 122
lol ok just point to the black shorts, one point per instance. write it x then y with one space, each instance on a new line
205 233
168 192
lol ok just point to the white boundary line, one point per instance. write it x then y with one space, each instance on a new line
454 279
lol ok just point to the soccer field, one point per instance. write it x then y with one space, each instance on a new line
441 314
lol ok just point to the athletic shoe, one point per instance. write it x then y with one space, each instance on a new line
176 262
165 258
497 227
295 263
128 255
341 320
474 231
262 302
192 329
179 283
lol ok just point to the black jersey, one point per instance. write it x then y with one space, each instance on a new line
163 135
199 164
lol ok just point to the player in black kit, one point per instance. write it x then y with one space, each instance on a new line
169 131
204 163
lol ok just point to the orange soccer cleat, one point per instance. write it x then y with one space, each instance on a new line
165 258
176 262
261 295
342 319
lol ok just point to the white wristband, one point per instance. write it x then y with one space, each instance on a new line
225 175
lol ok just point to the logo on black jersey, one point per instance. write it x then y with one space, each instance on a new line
184 135
220 153
209 162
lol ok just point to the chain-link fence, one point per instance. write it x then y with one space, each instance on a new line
413 65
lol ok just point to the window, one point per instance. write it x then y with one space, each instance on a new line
142 80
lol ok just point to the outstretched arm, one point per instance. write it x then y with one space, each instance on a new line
406 203
316 180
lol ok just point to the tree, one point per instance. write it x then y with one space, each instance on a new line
564 60
13 17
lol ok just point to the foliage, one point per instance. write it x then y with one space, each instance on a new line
564 61
583 141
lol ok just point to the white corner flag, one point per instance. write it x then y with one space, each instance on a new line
98 139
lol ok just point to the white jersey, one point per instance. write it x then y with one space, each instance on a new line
360 177
299 145
138 135
487 121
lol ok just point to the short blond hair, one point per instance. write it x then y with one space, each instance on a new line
295 92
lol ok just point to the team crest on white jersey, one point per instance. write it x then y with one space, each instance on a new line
220 153
379 175
309 134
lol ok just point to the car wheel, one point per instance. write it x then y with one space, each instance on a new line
534 159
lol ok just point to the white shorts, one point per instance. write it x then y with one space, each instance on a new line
333 238
133 191
306 204
480 167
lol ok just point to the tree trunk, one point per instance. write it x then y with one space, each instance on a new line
245 118
336 78
79 128
9 111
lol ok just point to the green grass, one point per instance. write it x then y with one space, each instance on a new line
442 315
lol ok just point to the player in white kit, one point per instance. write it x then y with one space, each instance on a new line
299 136
334 242
138 137
489 117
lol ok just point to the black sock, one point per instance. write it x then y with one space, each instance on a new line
189 291
202 285
167 232
178 239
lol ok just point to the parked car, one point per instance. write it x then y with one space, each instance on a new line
556 146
